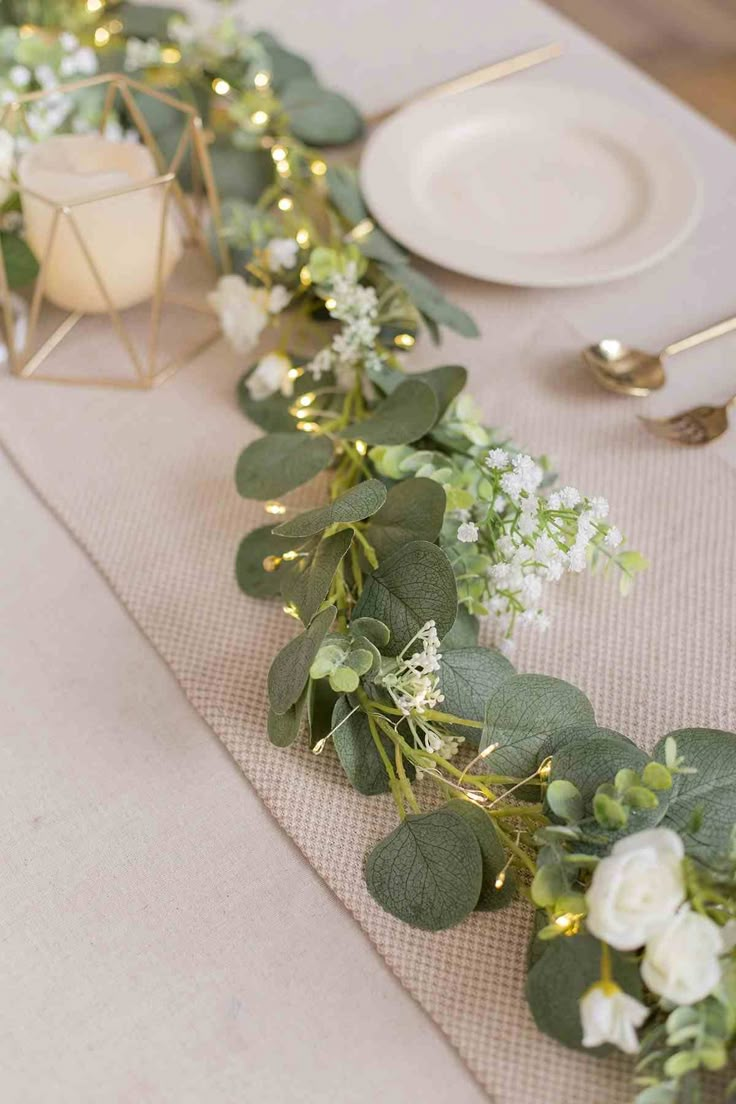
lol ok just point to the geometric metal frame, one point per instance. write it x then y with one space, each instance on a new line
147 371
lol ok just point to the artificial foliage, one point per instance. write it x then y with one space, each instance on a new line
425 523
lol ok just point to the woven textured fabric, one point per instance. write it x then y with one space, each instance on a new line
144 482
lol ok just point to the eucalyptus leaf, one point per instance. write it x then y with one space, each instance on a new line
522 713
594 762
711 791
357 751
306 583
240 174
275 464
403 416
447 381
254 548
290 669
491 897
283 728
321 699
374 631
560 976
464 633
358 503
413 510
409 588
578 734
272 413
21 267
429 871
427 297
318 116
284 65
345 193
145 21
468 677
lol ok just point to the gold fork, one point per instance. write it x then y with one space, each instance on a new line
698 426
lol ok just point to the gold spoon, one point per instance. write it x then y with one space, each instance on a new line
627 371
698 426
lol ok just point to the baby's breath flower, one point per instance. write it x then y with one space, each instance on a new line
467 532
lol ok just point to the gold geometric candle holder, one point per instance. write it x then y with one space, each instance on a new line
153 338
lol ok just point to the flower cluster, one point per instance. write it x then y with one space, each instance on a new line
244 312
413 681
355 306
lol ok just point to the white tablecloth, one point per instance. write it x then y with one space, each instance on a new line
148 951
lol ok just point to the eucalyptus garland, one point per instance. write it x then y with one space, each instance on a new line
425 521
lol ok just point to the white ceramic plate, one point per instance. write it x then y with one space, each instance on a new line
539 185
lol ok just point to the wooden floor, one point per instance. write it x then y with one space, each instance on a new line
688 45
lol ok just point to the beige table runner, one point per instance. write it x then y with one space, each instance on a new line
144 481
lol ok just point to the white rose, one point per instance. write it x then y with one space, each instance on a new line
281 253
242 311
270 375
6 164
681 962
637 889
609 1015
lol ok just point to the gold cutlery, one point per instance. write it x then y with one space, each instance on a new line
698 426
628 371
477 77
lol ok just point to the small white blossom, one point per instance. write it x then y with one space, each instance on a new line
608 1015
141 53
413 683
599 508
279 298
569 497
281 253
497 459
270 375
7 156
613 538
467 532
20 75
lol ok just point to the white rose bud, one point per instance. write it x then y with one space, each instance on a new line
637 889
271 375
681 962
609 1015
242 310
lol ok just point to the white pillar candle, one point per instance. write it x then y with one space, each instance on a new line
122 233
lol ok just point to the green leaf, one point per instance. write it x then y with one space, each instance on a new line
430 301
342 183
565 800
355 505
249 571
594 762
468 678
447 382
321 701
712 790
357 751
494 857
240 174
413 510
522 713
464 633
374 631
21 266
283 728
272 413
409 588
403 416
318 116
284 65
578 734
145 21
290 669
549 883
306 583
429 871
569 966
273 465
